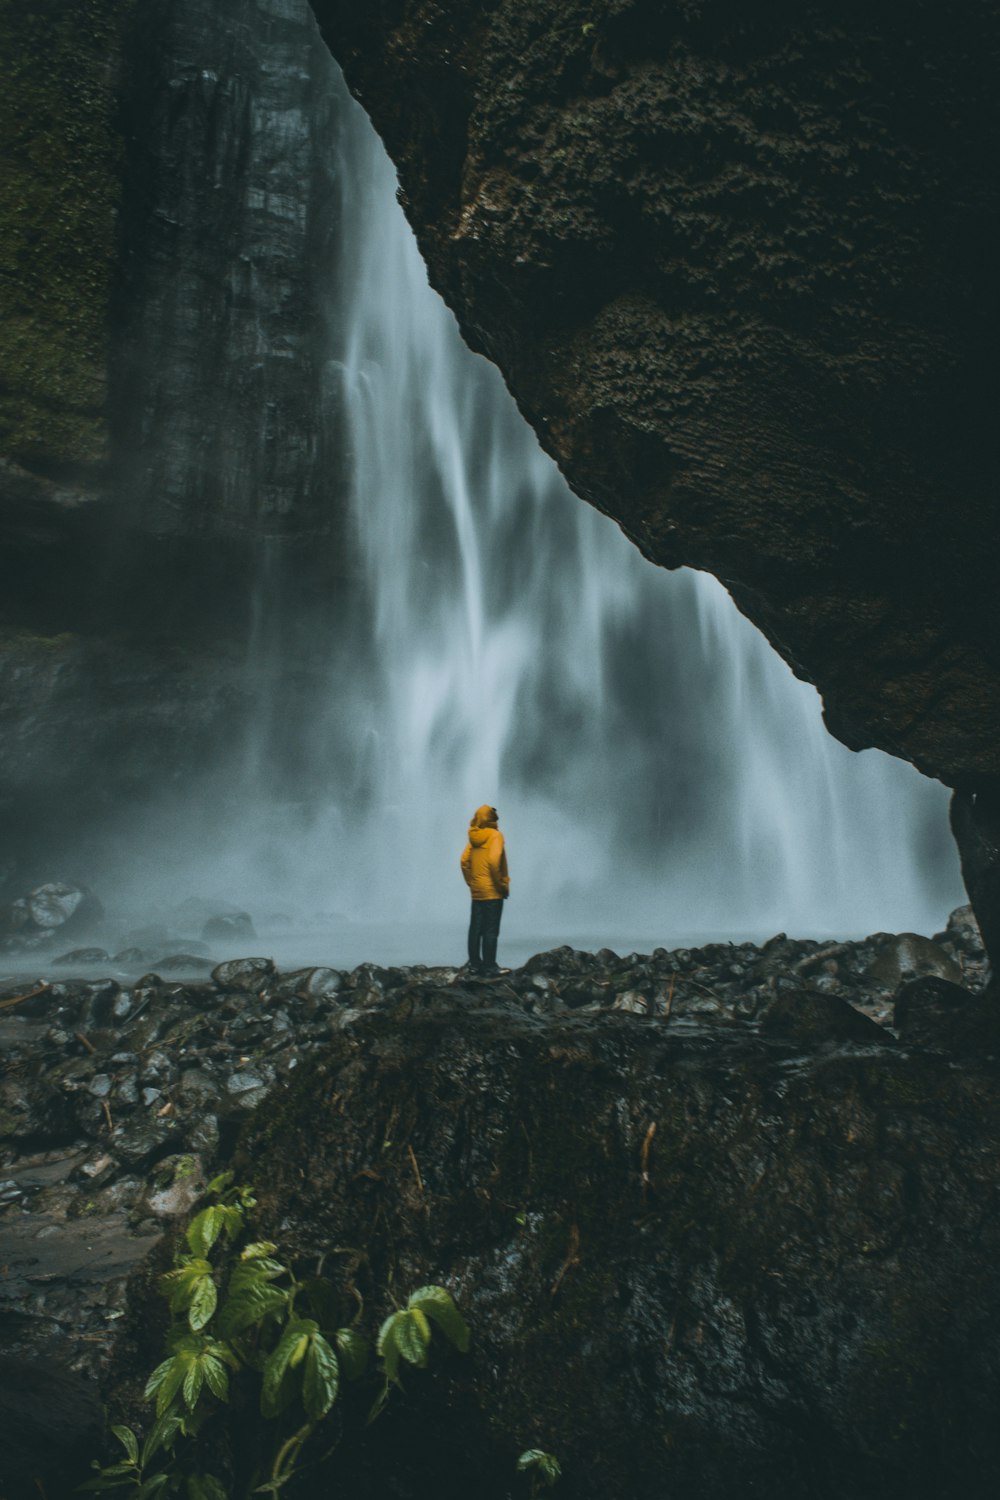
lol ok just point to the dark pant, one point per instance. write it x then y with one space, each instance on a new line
484 929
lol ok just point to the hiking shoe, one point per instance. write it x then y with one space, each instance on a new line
494 973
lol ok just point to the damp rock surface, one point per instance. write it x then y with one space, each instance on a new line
719 1217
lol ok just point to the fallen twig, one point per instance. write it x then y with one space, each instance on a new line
572 1259
416 1169
646 1146
29 995
85 1042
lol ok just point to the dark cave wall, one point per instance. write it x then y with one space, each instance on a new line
166 431
736 270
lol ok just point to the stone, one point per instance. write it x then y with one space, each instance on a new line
310 984
811 1020
909 956
54 905
945 1017
180 1184
229 927
83 956
184 963
248 974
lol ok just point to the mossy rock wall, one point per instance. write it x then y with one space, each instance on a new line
695 1264
59 199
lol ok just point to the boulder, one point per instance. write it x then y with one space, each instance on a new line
811 1020
909 956
251 975
693 1263
944 1017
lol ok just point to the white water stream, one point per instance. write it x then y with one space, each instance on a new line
661 775
658 768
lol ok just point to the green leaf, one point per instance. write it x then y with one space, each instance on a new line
258 1250
194 1379
160 1435
151 1487
412 1334
204 1230
180 1285
388 1349
216 1377
165 1381
546 1463
203 1301
352 1351
254 1305
278 1384
231 1217
220 1183
321 1378
206 1487
438 1304
129 1442
250 1273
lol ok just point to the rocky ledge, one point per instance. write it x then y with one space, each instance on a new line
723 1219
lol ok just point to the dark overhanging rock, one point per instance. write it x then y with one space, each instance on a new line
733 266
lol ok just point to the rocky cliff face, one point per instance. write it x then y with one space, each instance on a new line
168 230
734 269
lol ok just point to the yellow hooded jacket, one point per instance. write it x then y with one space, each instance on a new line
484 859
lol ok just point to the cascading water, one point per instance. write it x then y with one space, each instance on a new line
658 768
660 773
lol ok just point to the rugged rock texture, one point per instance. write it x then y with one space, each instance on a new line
167 441
720 1217
735 267
224 425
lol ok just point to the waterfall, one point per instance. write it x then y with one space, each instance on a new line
660 773
657 767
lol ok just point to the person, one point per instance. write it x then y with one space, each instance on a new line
484 865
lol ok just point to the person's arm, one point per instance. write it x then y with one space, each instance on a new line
467 864
498 864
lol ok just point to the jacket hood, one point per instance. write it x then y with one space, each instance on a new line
484 822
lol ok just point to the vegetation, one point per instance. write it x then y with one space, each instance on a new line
241 1318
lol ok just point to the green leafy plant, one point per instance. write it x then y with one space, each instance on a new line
242 1313
542 1468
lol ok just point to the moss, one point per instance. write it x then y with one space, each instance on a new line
59 197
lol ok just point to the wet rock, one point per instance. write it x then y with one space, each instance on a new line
180 1183
83 956
55 906
734 1224
252 975
909 956
228 927
196 1090
145 1138
811 1020
130 958
633 1002
186 963
310 984
52 1422
944 1017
